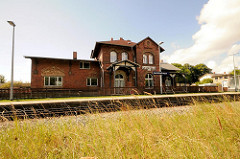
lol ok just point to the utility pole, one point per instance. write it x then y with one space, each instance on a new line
12 67
235 80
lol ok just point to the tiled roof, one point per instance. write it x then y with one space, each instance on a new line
119 42
169 67
219 75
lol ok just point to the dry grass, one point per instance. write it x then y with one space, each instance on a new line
203 131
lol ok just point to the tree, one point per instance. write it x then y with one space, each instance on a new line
237 72
191 73
201 69
2 79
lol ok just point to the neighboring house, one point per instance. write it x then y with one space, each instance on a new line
116 64
223 79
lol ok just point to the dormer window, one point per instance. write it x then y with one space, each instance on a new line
144 59
113 56
124 56
150 59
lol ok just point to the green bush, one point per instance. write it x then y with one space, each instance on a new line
207 80
16 84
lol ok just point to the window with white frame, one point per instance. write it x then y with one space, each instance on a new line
84 65
144 59
113 56
149 80
92 81
124 56
52 81
150 59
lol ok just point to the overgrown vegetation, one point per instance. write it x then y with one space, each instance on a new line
204 131
16 84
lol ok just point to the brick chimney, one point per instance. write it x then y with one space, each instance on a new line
121 38
111 39
74 55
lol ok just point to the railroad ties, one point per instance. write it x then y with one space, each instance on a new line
32 110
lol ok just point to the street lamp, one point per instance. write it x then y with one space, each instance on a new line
235 80
11 87
160 69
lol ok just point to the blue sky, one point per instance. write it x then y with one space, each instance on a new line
56 28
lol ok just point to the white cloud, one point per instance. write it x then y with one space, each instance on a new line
234 50
220 23
211 64
175 46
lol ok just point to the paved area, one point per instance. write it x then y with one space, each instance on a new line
112 98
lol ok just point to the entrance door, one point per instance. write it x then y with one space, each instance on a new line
119 84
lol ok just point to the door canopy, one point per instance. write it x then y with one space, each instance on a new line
125 64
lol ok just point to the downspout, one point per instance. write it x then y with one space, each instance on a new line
135 59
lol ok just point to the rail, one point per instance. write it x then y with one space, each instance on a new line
38 93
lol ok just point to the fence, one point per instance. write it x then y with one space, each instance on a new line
34 93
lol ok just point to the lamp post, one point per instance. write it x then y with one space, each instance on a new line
12 68
235 80
160 69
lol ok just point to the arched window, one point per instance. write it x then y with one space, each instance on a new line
149 80
144 59
150 59
124 56
113 56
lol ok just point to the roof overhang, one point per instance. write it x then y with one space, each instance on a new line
98 45
51 58
125 64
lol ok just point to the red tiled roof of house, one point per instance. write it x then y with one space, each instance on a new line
121 41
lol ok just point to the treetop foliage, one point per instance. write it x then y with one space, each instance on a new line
237 72
191 72
2 79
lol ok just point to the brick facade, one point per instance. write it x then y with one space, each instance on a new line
69 70
130 73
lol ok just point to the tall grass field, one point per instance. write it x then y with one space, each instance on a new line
199 131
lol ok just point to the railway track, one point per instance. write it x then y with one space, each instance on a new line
42 110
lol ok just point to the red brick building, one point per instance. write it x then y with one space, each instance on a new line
118 66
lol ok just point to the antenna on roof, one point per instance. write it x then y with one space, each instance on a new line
161 42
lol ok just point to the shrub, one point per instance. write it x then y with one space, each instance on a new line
16 84
207 80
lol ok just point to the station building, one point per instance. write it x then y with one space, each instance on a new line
117 67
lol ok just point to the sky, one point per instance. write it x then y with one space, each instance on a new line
193 31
